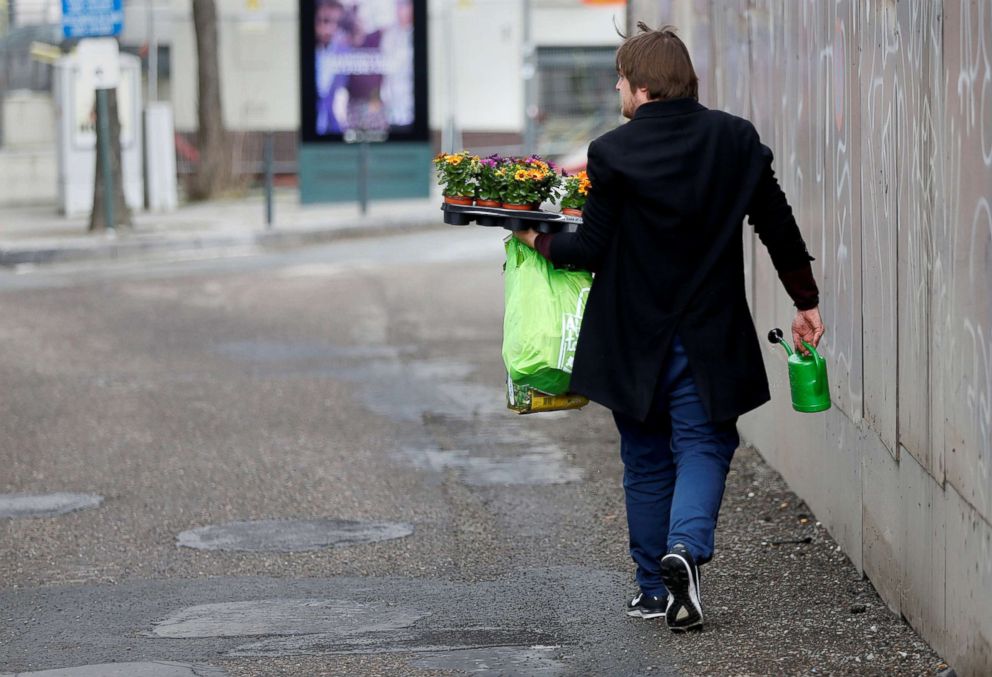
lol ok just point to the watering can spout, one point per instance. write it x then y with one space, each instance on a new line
776 336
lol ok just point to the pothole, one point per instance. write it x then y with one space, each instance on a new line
45 505
332 617
410 640
282 535
152 669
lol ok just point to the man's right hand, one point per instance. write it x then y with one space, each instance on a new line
807 327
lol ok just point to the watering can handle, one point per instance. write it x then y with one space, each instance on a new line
812 351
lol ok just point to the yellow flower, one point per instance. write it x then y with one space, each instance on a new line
454 160
521 175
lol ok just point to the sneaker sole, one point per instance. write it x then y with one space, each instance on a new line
637 613
678 578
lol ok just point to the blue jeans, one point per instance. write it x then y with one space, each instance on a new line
675 468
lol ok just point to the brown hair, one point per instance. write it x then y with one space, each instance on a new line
658 61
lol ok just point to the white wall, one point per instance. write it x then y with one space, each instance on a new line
28 171
28 120
259 51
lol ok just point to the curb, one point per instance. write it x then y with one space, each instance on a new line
131 246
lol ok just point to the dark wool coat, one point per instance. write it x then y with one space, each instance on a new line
662 230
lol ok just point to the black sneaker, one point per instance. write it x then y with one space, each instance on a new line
681 577
646 606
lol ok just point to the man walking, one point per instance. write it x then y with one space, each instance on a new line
667 342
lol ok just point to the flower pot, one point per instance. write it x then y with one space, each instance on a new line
519 208
487 203
458 200
569 211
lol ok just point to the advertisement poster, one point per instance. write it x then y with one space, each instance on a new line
363 69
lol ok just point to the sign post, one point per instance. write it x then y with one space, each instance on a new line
103 153
363 137
96 22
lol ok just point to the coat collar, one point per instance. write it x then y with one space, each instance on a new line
667 108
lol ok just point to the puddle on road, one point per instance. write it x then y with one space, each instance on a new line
283 535
429 640
334 618
538 466
390 384
45 505
484 444
500 661
151 669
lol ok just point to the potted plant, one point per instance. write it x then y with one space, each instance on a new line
576 188
527 183
456 174
489 179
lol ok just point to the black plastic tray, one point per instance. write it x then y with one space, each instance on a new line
542 222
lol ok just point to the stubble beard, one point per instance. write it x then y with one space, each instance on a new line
626 108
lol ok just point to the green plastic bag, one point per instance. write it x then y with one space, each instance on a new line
541 321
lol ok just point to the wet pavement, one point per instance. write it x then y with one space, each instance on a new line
45 505
290 535
307 467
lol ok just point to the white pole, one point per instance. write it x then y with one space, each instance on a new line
529 77
450 138
152 53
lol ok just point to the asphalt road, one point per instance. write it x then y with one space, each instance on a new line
300 463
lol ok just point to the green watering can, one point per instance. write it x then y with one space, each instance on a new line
807 377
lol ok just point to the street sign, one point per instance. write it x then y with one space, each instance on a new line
92 18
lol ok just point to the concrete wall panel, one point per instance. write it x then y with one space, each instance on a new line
924 546
966 264
918 64
968 647
878 213
882 525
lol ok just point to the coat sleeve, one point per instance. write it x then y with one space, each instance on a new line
586 248
770 214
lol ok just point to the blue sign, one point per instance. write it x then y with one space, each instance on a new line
92 18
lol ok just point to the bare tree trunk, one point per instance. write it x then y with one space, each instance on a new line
122 214
214 172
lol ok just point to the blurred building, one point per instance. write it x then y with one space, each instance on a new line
478 60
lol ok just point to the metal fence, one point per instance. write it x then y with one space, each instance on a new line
576 97
23 23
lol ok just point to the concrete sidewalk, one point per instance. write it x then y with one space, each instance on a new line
37 235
